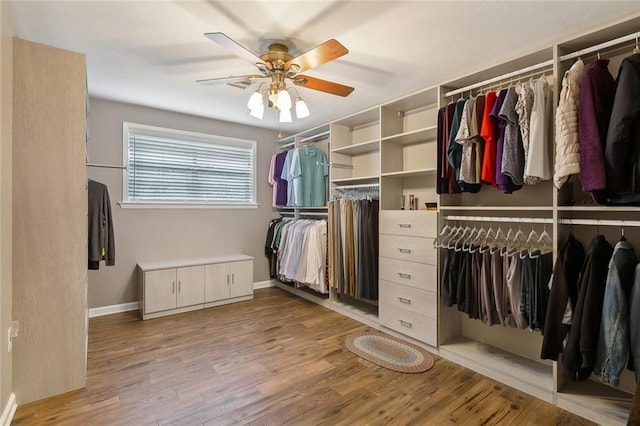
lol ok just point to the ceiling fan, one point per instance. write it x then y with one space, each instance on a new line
278 65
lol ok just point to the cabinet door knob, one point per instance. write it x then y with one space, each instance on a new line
227 279
173 287
233 278
178 286
404 250
402 275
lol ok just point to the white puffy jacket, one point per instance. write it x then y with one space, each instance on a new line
567 161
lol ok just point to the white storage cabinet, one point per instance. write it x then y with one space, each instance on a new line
173 287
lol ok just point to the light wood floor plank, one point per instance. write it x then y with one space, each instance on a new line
274 360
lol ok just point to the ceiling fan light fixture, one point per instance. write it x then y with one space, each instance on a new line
285 116
302 110
273 96
284 100
257 112
255 100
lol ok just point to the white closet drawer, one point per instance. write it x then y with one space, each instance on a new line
413 274
408 298
413 249
409 323
417 223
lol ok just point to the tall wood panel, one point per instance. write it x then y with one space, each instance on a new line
49 220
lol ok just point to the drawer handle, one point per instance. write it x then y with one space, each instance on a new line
407 276
404 225
402 250
403 300
406 324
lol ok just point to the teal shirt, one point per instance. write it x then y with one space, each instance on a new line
309 177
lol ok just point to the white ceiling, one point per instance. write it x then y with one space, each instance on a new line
151 52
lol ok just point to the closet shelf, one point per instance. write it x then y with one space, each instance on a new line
598 208
494 208
534 378
358 148
356 180
412 137
603 404
409 173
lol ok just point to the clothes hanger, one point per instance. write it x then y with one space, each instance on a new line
530 245
438 239
466 244
444 242
505 244
477 242
622 237
517 244
488 239
465 232
497 242
637 48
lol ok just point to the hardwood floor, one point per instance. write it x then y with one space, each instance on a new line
275 360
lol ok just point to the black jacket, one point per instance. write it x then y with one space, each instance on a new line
622 149
579 357
564 288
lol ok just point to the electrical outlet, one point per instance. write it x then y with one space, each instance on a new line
12 333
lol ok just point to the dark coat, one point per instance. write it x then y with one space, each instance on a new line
564 288
101 240
622 151
579 356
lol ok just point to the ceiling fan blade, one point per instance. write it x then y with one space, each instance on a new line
322 85
229 80
228 43
325 52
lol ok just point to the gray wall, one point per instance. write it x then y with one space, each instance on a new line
6 117
180 233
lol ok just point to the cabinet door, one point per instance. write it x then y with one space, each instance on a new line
217 281
241 278
190 286
159 290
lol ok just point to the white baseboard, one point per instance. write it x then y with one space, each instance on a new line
132 306
9 411
112 309
263 284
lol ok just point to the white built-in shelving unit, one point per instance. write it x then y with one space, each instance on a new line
394 147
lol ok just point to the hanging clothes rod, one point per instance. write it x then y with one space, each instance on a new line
517 73
599 222
362 185
316 137
340 166
601 46
500 219
105 166
314 214
287 145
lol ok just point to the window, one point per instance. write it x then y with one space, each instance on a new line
166 166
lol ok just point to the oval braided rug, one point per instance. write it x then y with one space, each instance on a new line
389 352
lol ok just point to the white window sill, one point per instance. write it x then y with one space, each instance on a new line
142 205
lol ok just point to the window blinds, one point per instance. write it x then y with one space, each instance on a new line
179 170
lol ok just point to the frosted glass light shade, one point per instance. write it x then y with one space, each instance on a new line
284 101
257 112
255 100
285 116
302 110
